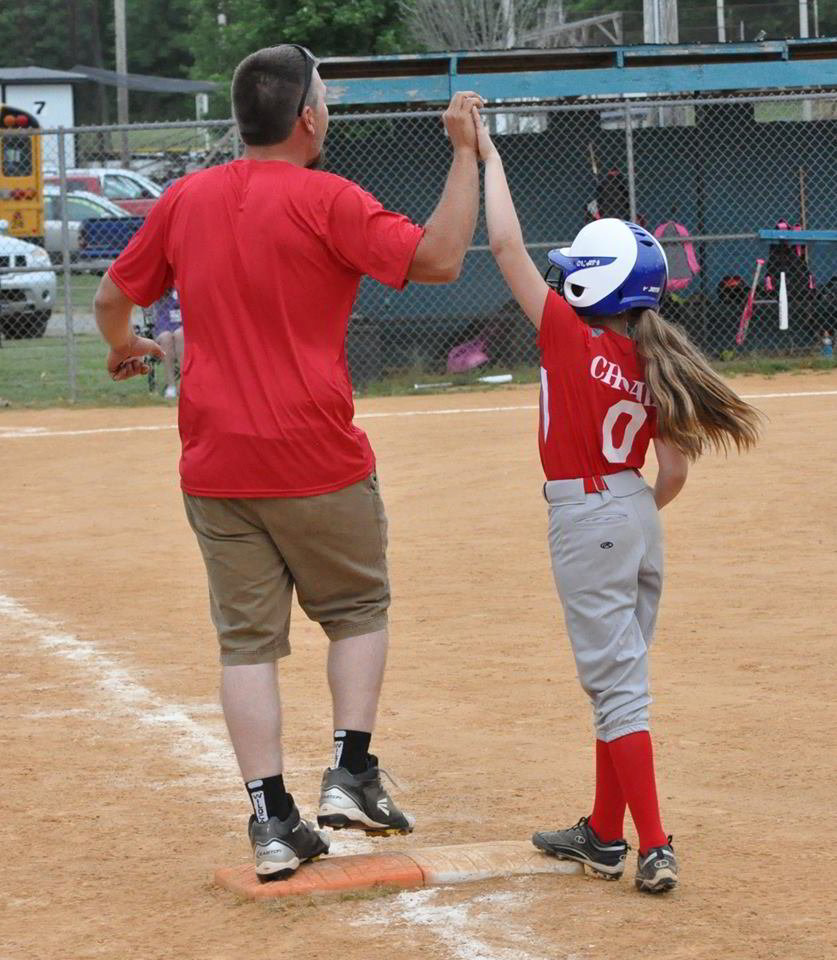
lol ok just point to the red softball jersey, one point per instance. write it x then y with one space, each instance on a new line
266 258
596 414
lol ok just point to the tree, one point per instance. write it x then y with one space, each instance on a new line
470 24
348 27
224 33
698 21
62 33
159 45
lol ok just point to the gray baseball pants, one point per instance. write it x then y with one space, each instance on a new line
607 560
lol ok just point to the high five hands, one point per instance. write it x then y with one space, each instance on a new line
465 125
458 119
485 145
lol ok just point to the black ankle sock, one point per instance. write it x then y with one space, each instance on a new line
351 750
270 798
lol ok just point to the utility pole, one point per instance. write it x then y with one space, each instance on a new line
651 26
510 39
669 23
507 122
722 27
803 19
660 25
121 68
804 33
660 21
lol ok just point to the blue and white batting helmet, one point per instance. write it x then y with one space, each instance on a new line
612 265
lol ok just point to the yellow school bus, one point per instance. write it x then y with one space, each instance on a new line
21 175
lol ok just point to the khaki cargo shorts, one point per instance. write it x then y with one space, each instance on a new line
331 548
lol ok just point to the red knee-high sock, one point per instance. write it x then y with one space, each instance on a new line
608 816
633 758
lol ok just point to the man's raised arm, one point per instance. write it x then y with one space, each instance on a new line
449 231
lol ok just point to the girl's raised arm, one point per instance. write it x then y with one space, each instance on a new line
504 233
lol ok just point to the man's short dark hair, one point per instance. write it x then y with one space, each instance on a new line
266 88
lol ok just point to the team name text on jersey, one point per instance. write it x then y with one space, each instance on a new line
611 373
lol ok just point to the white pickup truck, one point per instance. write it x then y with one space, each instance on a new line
27 296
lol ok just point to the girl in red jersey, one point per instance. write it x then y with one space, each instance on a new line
614 376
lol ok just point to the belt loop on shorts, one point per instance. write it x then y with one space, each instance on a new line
594 484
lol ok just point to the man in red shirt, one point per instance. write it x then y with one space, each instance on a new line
266 254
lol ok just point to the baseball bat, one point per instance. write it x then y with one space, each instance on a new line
783 302
803 207
747 312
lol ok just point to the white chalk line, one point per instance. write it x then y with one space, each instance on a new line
188 739
455 926
121 695
20 433
115 693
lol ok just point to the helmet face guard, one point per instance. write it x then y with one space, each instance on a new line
612 266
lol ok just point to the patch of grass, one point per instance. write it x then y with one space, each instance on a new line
34 373
83 288
769 366
404 381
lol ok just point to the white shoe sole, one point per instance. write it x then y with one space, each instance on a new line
576 856
276 869
353 818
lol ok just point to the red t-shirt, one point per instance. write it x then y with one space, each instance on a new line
266 258
596 411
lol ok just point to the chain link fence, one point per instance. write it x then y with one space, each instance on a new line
706 175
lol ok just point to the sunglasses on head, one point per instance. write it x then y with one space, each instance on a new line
310 63
554 277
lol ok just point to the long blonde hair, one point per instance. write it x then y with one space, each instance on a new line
696 410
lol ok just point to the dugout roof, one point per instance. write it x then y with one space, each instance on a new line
145 82
29 75
647 70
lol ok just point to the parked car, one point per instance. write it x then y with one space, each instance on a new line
26 299
127 189
81 206
104 238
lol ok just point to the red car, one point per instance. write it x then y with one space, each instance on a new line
127 189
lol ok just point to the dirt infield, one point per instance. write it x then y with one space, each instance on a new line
120 795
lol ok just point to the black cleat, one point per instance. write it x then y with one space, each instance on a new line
580 843
656 869
358 801
281 846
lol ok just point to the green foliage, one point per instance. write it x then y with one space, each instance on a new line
347 27
180 38
62 33
159 45
328 27
33 373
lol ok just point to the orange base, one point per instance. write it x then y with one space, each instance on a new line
357 872
419 868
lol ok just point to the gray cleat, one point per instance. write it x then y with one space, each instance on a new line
580 843
358 801
281 846
656 869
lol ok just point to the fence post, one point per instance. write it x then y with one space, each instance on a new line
629 150
236 142
65 259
